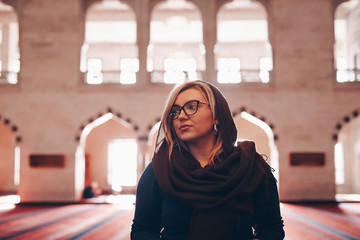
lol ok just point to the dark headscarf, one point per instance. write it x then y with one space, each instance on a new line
236 183
226 126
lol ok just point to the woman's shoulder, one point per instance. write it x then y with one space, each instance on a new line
246 148
148 181
148 172
246 145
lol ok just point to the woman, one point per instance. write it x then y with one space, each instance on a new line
199 186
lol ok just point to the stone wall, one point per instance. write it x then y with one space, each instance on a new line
50 105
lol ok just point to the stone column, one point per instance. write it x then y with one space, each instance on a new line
5 48
209 11
142 9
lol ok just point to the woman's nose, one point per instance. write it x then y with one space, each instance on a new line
182 114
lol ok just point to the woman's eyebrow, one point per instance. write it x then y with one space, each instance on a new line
186 102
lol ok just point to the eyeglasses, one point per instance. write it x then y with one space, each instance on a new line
190 108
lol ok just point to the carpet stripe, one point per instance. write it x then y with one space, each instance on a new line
32 213
67 228
56 220
335 221
339 210
96 226
320 225
118 229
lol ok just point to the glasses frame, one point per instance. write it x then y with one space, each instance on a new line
182 108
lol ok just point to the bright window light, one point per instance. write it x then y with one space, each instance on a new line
111 31
122 163
94 75
228 64
341 63
228 70
129 64
342 74
180 64
176 29
17 166
127 77
177 70
150 65
174 77
15 66
242 31
340 29
129 67
229 77
265 64
339 164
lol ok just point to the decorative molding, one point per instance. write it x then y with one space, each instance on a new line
14 128
100 114
345 119
258 116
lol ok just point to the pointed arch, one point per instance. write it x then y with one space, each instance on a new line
347 154
9 156
252 126
92 155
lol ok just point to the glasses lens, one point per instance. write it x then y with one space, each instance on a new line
174 112
191 107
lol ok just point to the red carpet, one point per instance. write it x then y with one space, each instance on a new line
110 221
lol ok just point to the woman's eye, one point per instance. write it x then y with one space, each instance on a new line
191 107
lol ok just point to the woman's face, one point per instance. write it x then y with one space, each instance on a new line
198 127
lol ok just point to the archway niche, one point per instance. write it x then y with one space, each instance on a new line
347 159
251 128
9 160
107 154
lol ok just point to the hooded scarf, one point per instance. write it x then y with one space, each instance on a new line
236 183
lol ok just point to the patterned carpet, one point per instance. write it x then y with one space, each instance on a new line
113 221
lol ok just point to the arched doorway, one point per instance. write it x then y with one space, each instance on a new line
347 160
9 160
107 155
254 129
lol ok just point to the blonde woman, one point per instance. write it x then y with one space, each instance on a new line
200 186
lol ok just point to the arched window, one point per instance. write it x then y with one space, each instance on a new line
176 51
242 53
110 53
347 42
9 45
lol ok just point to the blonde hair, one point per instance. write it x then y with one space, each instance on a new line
167 125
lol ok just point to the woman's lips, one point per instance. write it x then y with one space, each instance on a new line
184 127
